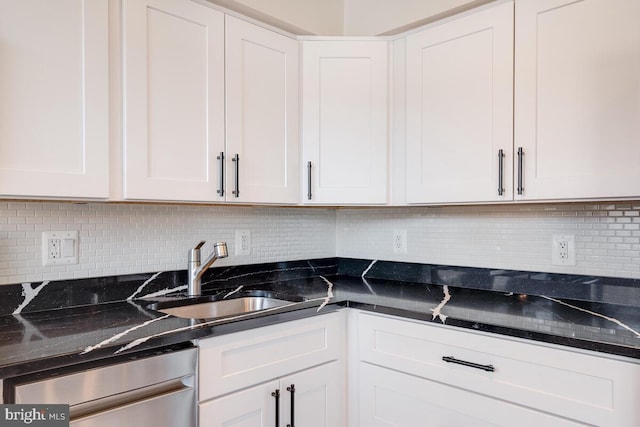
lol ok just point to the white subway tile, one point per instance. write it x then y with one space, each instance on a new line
500 236
126 239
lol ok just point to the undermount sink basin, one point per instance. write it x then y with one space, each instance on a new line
222 308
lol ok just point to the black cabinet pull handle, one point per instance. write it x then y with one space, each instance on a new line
276 394
520 167
236 160
221 158
292 389
308 180
449 359
500 172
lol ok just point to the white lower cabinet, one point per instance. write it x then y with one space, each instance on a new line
248 408
241 374
391 398
411 373
311 398
406 373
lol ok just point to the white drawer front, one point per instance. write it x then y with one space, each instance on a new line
592 389
393 399
231 362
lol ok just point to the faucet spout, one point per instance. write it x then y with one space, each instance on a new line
196 269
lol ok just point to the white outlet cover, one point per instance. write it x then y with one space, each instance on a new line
67 250
569 257
399 242
243 242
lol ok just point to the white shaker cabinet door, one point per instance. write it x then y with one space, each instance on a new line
460 109
54 98
344 122
263 143
577 98
318 396
173 100
390 398
252 407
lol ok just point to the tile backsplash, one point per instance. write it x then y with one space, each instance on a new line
517 237
120 239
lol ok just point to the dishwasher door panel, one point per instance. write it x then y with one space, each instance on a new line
173 409
97 383
154 388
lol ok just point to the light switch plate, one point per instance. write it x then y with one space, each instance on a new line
60 247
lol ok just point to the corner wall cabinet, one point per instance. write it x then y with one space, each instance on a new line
577 99
460 109
344 122
412 373
54 107
292 372
173 99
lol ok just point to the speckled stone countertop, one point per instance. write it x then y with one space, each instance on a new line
100 319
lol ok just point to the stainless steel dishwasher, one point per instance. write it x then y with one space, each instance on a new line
151 390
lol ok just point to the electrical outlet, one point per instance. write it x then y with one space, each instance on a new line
563 249
53 249
243 242
60 247
400 242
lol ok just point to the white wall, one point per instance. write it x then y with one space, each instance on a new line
511 237
320 17
127 239
368 18
345 17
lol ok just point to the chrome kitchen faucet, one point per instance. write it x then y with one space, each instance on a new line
196 269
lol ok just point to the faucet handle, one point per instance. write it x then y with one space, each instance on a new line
194 254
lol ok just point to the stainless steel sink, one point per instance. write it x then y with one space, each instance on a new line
222 308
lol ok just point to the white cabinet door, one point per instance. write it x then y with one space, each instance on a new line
253 407
317 395
344 122
318 398
587 388
577 98
262 115
392 399
460 109
234 361
54 102
173 99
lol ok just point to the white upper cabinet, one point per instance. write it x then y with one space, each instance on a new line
577 98
344 122
459 95
173 100
54 102
262 86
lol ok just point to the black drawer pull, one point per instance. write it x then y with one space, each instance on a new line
236 160
221 189
292 390
449 359
500 172
276 394
520 171
308 180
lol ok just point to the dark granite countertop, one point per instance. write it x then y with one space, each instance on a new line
44 339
